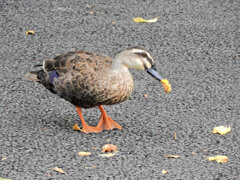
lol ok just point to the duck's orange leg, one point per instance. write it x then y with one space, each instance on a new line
85 127
106 122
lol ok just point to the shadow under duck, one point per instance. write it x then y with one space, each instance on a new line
88 79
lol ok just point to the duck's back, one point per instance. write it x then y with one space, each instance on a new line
85 79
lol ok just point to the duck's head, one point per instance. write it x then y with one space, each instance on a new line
139 58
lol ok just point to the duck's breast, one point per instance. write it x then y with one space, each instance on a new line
119 88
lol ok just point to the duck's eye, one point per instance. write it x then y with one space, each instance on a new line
144 54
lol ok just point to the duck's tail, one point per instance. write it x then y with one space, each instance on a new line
33 76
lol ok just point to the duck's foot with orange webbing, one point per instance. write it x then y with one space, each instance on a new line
106 123
85 127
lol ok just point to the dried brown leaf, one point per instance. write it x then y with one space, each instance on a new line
109 147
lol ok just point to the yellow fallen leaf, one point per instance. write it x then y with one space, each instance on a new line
82 153
164 172
141 20
76 127
57 169
172 156
167 87
109 147
175 135
4 158
219 159
107 155
29 32
221 130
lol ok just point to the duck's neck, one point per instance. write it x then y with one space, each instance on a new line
117 63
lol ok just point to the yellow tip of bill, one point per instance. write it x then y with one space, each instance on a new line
167 87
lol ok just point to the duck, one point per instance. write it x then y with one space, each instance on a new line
88 80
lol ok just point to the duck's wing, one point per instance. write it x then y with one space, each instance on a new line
72 75
77 62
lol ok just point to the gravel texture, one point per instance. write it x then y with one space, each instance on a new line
195 46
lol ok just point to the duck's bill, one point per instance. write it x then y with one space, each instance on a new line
154 73
165 83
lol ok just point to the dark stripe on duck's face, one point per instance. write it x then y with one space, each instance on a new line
145 55
53 74
152 71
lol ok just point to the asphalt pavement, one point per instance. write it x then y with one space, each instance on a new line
196 46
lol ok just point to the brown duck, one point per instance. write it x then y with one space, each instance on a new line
87 80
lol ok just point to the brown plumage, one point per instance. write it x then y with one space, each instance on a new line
87 80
